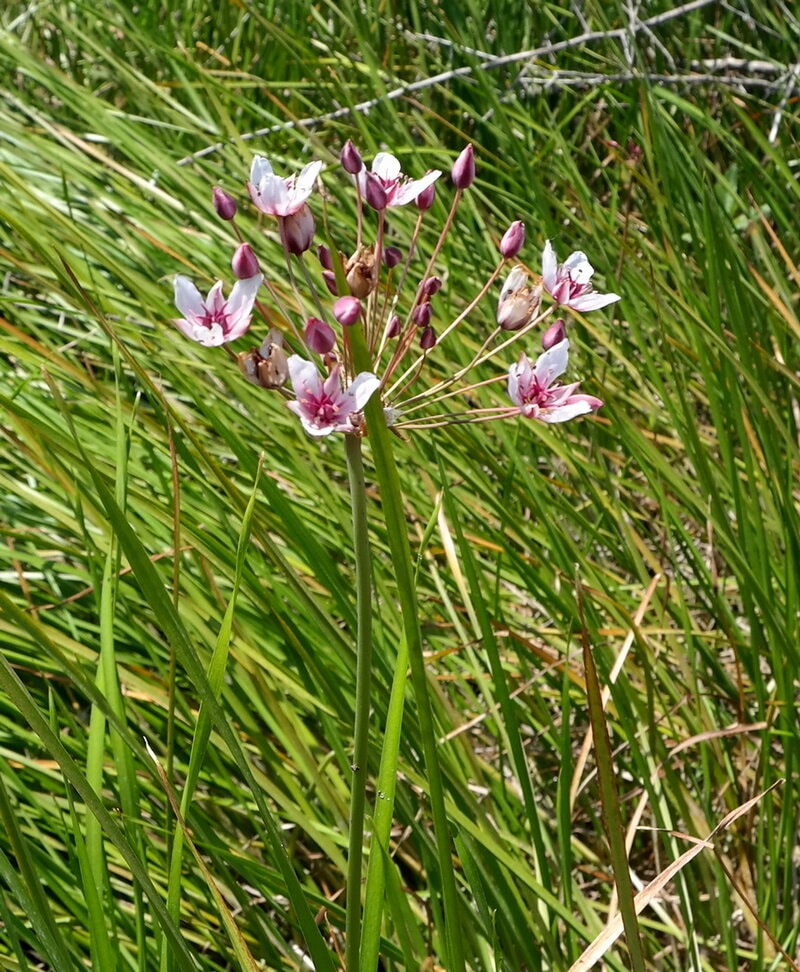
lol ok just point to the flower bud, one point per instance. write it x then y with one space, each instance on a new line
432 286
297 230
374 192
394 327
426 197
224 203
347 310
427 339
325 258
361 272
513 240
635 151
330 282
518 302
244 262
392 255
463 174
554 334
350 158
319 336
422 314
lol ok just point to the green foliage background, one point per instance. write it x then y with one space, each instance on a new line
669 154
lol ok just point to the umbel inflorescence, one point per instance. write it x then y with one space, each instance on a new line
391 295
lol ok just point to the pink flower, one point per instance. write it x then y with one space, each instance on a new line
322 405
531 388
569 284
215 321
277 196
399 189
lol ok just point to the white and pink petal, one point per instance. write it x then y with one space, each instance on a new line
361 389
188 298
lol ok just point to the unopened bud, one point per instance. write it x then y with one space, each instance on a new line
427 339
392 255
374 192
394 327
319 336
432 286
426 197
554 334
635 151
297 230
244 262
224 203
513 240
350 158
347 310
330 282
463 174
325 258
422 314
361 272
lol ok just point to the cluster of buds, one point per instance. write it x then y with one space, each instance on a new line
370 286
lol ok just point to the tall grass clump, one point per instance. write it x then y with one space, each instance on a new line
496 694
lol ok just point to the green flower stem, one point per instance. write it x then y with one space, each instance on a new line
358 501
400 549
382 821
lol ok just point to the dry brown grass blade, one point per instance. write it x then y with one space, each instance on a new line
598 948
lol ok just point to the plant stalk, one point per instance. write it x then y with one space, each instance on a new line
358 504
400 550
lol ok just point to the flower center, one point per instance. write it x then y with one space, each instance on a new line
324 408
536 394
212 317
568 289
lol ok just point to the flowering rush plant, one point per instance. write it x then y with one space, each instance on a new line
388 295
352 358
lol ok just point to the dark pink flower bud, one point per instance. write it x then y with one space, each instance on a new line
392 255
325 258
635 151
244 262
297 230
426 197
427 339
463 174
319 336
224 203
394 327
554 334
422 315
432 286
350 158
347 310
513 240
374 191
330 282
